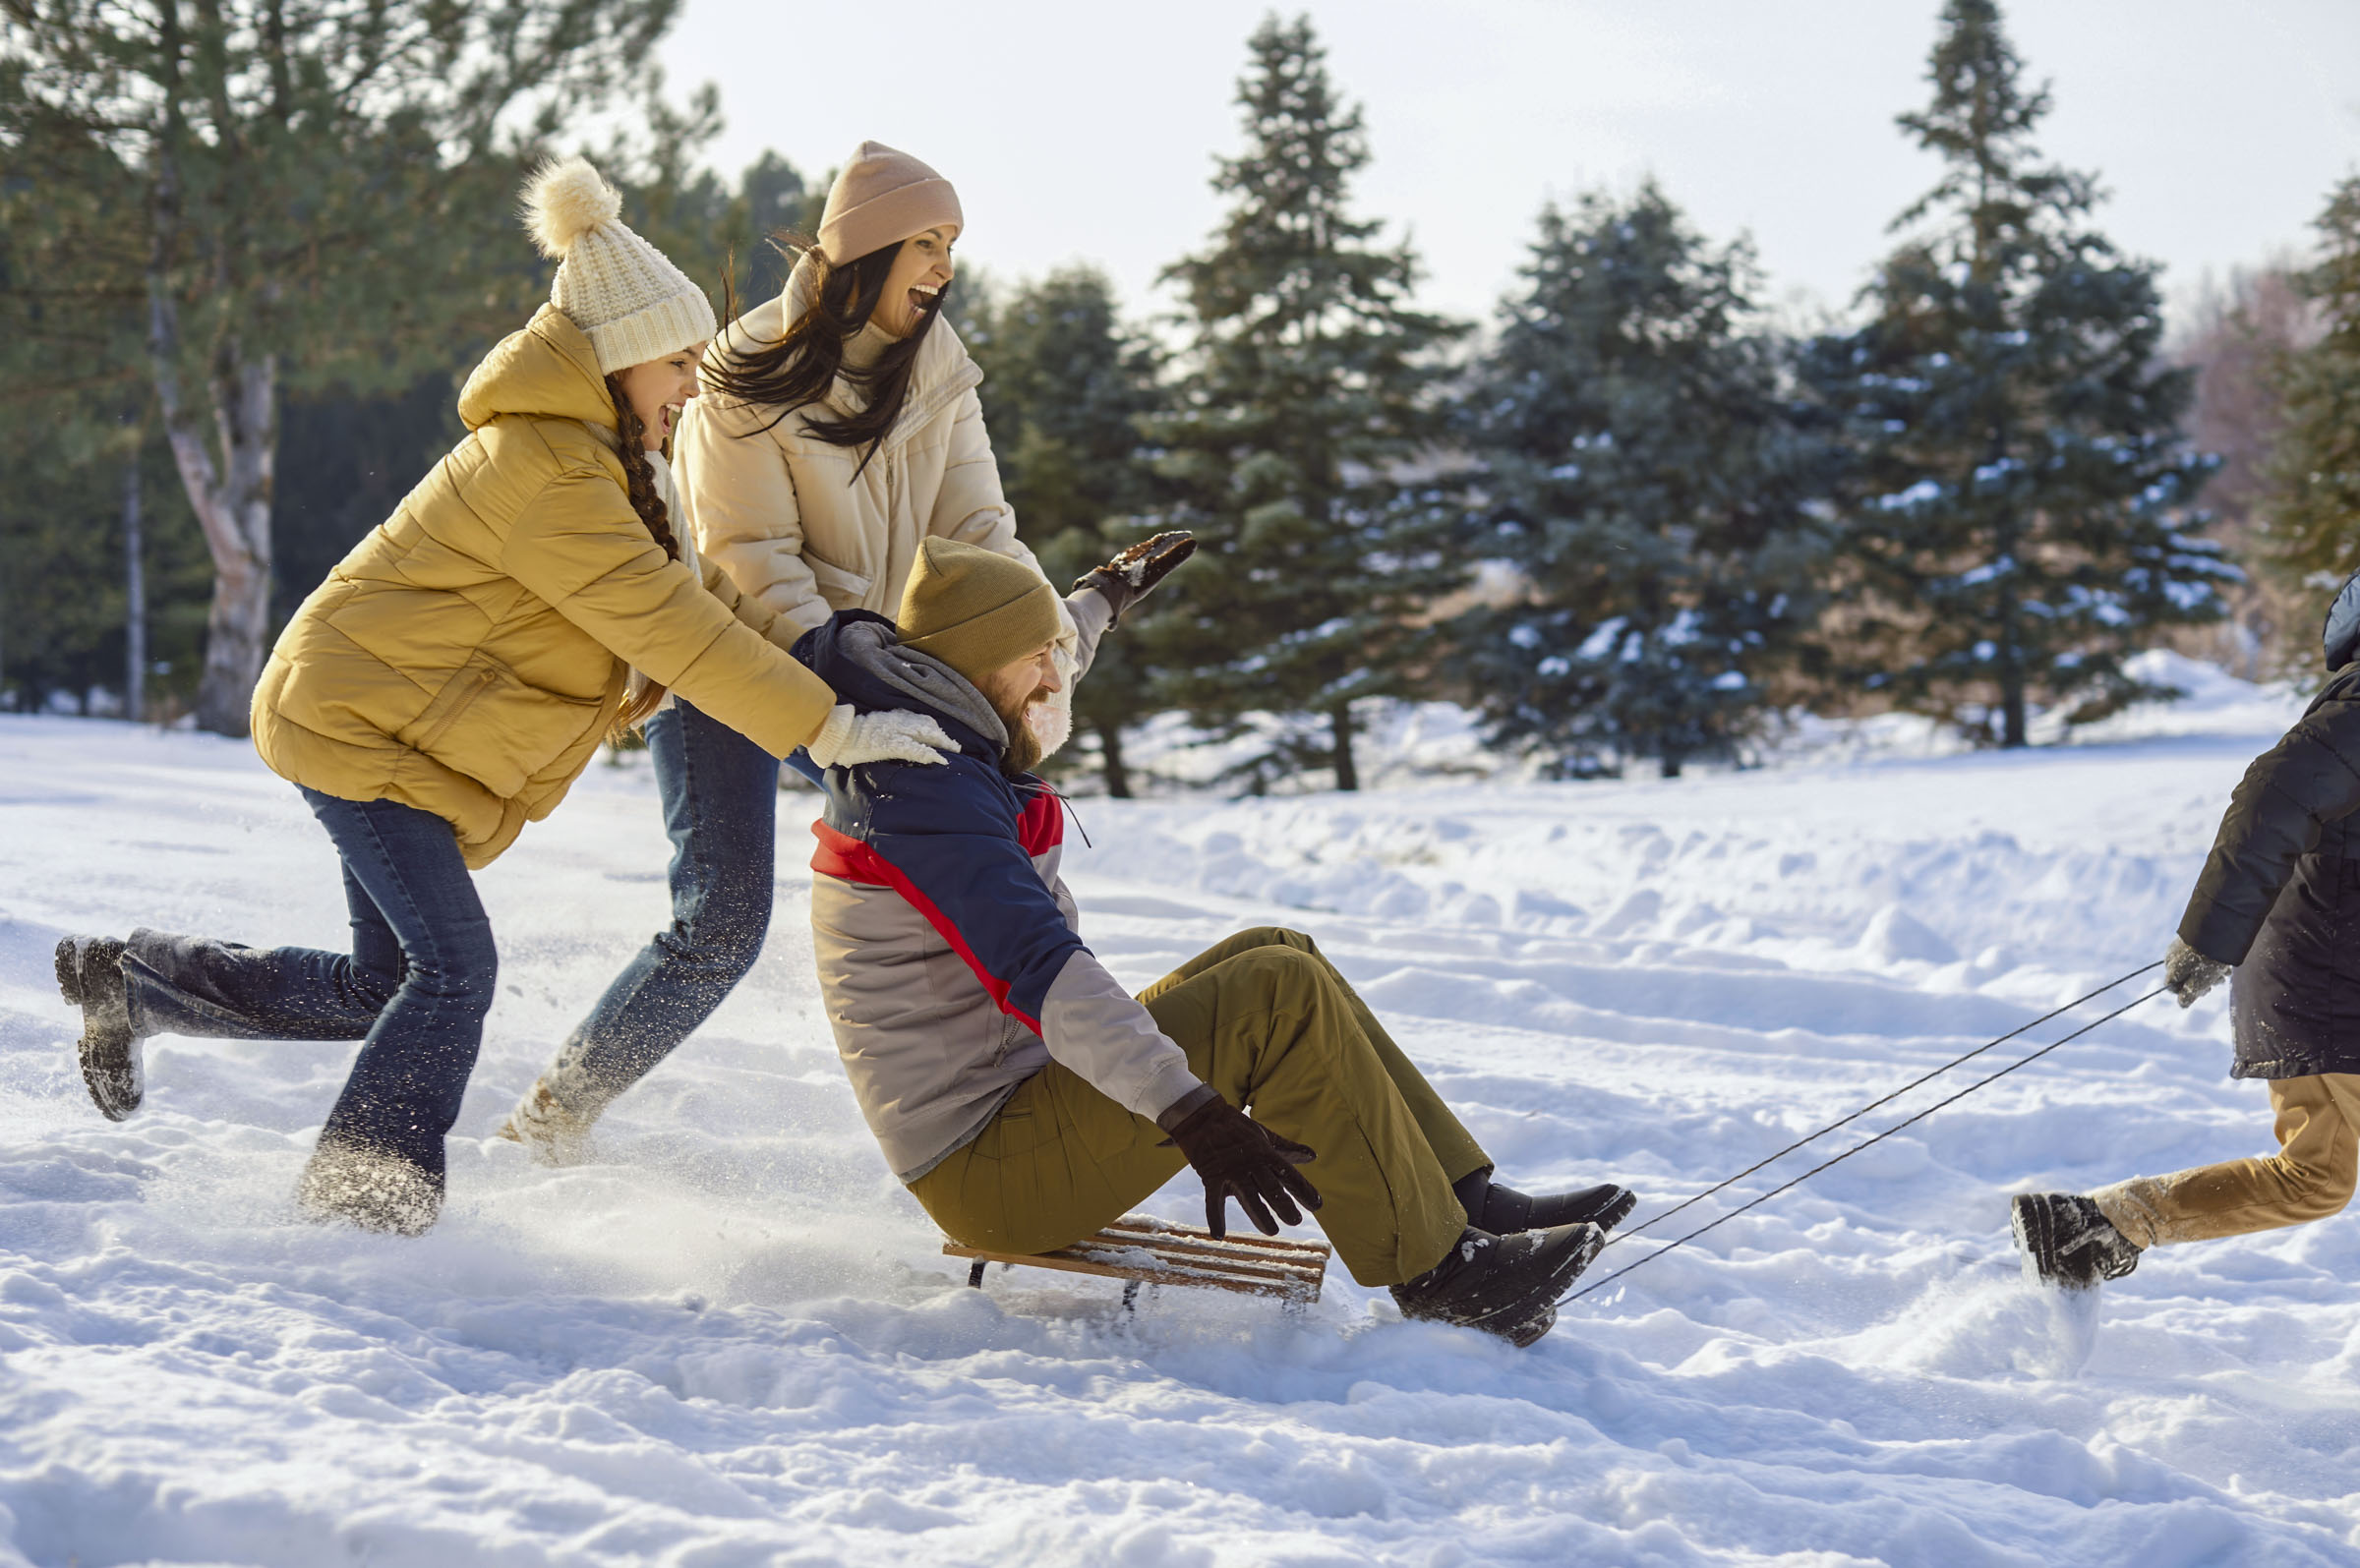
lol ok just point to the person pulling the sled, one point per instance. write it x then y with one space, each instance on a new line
2273 906
1025 1096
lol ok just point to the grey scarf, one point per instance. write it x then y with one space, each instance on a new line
936 686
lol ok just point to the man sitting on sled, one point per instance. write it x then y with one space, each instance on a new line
1024 1097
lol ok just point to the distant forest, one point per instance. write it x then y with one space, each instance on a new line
1626 521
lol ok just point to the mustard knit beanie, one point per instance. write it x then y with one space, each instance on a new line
632 303
883 197
976 610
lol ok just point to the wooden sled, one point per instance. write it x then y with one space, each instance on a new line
1139 1250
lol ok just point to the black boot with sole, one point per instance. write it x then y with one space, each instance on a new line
1504 1285
2066 1239
89 975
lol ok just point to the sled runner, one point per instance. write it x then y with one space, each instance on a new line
1149 1252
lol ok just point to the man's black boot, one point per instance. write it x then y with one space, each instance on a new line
1503 1211
1504 1285
89 975
2066 1239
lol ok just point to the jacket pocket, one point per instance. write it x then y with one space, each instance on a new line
842 589
1014 1035
489 725
1017 1132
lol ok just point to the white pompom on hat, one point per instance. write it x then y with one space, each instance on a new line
623 292
881 198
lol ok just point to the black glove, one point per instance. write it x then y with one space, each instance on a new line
1126 579
2188 974
1238 1157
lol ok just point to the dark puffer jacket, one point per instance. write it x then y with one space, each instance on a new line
2280 895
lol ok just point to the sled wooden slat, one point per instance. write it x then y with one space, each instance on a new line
1149 1252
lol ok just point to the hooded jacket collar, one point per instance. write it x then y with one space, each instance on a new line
548 370
858 653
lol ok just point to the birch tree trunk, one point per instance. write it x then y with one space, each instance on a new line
228 479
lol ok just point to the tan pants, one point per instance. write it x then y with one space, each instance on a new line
1269 1023
2310 1178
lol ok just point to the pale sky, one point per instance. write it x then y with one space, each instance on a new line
1085 131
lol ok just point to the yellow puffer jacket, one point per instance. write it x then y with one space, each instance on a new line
469 655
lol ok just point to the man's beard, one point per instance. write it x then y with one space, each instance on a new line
1024 746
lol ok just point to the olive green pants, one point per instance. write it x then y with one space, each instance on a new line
1269 1023
2310 1178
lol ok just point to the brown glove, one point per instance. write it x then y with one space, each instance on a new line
1126 579
1238 1157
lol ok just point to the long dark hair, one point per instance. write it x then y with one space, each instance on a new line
797 368
639 483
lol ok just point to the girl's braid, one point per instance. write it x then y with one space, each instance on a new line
639 474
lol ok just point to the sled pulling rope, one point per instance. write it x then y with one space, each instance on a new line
1844 1121
1920 1116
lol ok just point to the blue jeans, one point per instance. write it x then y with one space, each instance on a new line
721 802
414 988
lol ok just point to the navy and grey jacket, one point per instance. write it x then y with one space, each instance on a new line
949 956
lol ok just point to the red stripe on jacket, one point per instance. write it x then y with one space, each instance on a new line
1042 826
850 859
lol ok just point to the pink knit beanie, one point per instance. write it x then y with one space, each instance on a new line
883 197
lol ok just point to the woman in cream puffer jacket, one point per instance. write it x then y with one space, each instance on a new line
446 685
840 431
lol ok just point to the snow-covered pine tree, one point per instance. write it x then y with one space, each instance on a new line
1065 385
2311 514
2022 506
1643 474
1309 383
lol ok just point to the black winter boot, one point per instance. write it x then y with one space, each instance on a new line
89 975
2067 1240
1503 1211
1504 1285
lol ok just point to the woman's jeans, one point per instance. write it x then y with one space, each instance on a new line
721 802
414 988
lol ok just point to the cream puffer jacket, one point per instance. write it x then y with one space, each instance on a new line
782 511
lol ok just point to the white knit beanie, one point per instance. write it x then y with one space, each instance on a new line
631 301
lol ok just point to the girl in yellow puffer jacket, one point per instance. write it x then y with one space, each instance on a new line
447 683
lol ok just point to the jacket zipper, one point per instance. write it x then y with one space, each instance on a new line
466 699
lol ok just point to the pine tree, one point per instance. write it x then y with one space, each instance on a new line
70 378
1644 472
1307 387
2311 514
2020 513
62 551
1065 387
292 193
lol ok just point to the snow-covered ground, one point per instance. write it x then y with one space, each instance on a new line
732 1338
